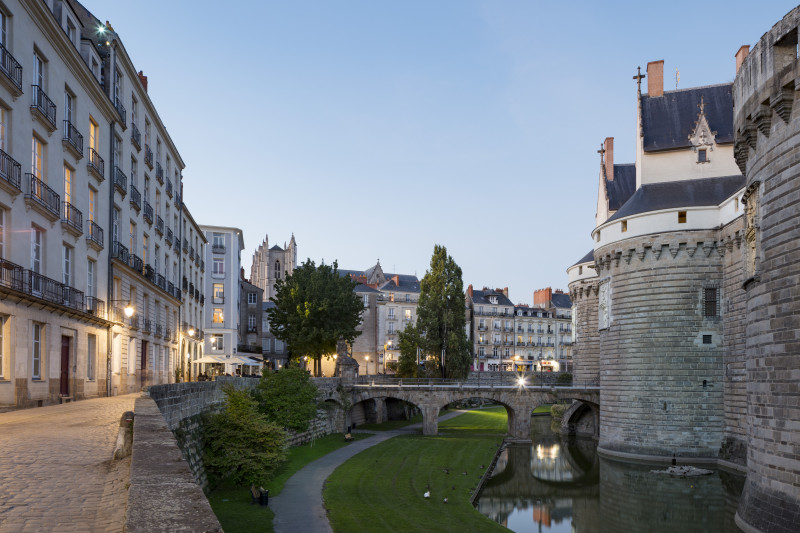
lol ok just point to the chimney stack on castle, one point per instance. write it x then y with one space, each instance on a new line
608 147
740 55
655 78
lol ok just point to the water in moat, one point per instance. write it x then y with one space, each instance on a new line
561 485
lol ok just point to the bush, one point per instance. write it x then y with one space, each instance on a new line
287 398
241 444
564 379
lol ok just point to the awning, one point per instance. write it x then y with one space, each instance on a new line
208 359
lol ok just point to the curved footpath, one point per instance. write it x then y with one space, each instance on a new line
299 507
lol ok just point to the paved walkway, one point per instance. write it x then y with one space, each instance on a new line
56 472
299 506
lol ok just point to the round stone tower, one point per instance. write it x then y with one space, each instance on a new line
583 292
767 143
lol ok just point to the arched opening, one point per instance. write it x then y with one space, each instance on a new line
581 419
372 412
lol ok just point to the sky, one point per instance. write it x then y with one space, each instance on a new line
373 130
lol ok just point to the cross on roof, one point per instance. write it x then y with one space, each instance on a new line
639 77
602 152
702 105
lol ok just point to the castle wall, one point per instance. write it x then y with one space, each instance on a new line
660 357
767 124
586 354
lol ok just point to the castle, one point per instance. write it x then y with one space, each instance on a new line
687 306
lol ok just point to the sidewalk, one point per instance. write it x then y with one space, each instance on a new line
56 472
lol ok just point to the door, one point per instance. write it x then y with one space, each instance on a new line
143 373
64 366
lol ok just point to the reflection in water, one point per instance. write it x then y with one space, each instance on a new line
560 484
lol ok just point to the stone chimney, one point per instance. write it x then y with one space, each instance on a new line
740 55
143 79
655 78
608 146
469 290
396 279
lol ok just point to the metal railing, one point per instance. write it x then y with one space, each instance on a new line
73 217
73 137
119 251
148 155
120 181
159 173
148 213
218 248
136 198
136 136
159 225
95 306
121 110
10 170
96 162
43 195
169 187
147 325
43 105
95 233
168 237
136 263
10 67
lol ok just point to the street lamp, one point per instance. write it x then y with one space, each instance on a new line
366 371
541 375
128 310
387 346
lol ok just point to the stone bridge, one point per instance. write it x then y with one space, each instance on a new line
431 397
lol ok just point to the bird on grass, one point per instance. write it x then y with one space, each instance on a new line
445 500
427 494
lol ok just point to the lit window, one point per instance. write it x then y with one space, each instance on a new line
219 293
681 217
218 315
624 226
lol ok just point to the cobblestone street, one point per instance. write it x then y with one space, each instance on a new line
56 472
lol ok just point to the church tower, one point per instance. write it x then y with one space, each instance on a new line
271 264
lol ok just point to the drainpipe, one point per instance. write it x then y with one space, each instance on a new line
110 280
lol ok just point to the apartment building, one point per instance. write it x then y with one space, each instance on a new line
192 249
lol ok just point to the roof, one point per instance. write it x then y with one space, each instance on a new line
365 289
276 248
407 284
689 193
562 301
482 297
668 120
622 186
267 305
588 258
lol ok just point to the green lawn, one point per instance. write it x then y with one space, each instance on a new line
391 424
232 505
545 408
381 488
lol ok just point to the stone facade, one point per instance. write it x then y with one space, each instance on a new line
584 295
767 123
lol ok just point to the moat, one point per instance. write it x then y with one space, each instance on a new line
558 484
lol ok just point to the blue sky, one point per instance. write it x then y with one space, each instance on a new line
377 129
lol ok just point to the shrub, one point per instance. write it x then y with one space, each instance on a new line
564 379
287 398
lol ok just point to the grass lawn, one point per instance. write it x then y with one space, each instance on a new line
391 424
381 488
232 506
543 409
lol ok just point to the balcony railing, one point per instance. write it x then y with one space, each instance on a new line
169 187
148 213
159 173
136 263
191 253
120 181
95 306
10 171
44 106
168 237
95 235
161 282
218 248
73 218
96 164
17 278
159 330
167 333
136 136
177 246
185 246
133 322
147 325
148 156
42 195
11 68
191 289
150 273
73 138
185 283
170 288
160 225
119 251
121 110
136 198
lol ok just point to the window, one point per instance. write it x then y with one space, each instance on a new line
67 186
91 279
2 232
580 270
92 203
391 312
366 300
408 297
94 136
702 156
38 70
115 225
131 355
597 236
218 239
252 298
2 325
251 322
71 31
707 339
69 106
218 268
37 236
95 68
710 301
3 129
217 319
407 314
277 270
37 158
391 328
624 226
134 171
91 356
66 270
134 109
36 350
216 342
681 217
3 29
219 293
132 238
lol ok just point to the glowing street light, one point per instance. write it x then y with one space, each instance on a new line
128 310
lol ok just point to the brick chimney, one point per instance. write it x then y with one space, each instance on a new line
143 79
542 297
469 290
608 146
503 291
655 78
740 55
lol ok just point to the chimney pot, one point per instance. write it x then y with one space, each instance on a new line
609 158
143 79
655 78
741 55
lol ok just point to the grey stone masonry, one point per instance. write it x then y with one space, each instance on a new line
767 146
661 391
587 339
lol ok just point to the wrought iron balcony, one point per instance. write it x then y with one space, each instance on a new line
191 289
159 225
185 283
185 245
136 198
136 263
95 306
136 137
12 70
197 294
96 164
218 248
95 236
202 299
43 198
159 330
168 333
119 251
73 140
133 322
10 174
43 107
121 110
72 219
168 237
148 156
159 173
148 213
191 253
147 325
202 265
120 181
171 288
169 187
177 246
161 281
150 273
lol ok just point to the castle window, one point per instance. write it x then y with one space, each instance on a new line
710 301
702 156
597 236
681 217
706 339
580 270
624 226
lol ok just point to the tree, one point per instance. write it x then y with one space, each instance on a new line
410 343
287 398
241 444
441 316
314 308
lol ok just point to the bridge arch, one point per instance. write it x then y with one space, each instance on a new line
582 419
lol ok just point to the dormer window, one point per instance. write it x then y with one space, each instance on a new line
493 299
702 156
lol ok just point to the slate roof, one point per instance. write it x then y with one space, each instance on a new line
276 248
267 305
482 297
588 258
690 193
365 289
622 187
668 120
562 301
407 284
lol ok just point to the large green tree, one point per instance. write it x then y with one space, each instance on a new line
287 397
315 307
410 344
441 317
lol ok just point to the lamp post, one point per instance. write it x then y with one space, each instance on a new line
128 310
387 346
541 375
366 370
